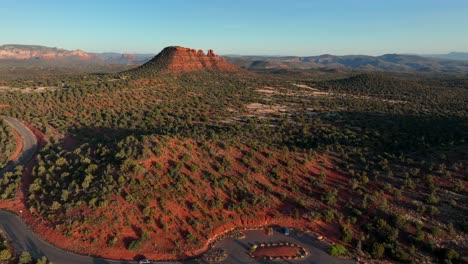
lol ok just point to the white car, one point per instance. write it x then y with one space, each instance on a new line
144 261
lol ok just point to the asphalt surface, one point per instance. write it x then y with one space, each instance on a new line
29 145
237 249
23 239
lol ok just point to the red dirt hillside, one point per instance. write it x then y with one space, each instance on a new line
177 59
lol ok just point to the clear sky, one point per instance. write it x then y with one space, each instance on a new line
264 27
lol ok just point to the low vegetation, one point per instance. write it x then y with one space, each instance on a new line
338 250
8 255
7 143
133 163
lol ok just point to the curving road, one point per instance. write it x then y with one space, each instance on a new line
29 145
23 239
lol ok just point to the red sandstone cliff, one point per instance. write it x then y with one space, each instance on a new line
177 59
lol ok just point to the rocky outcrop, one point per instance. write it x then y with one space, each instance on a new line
129 57
25 52
177 59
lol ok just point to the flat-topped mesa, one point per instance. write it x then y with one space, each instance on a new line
176 59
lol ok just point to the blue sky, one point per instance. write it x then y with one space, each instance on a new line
265 27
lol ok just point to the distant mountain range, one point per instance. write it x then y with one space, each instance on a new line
453 63
124 58
25 52
34 52
387 62
450 56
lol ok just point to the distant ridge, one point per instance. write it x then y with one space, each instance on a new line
449 56
176 59
25 52
387 62
29 53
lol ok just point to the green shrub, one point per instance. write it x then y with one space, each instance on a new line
25 258
448 255
338 250
378 250
111 242
5 255
346 234
42 260
134 245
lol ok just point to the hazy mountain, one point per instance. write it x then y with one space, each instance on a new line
17 55
449 56
114 57
49 55
26 52
387 62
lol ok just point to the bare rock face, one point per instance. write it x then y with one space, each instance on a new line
177 59
211 53
127 56
24 52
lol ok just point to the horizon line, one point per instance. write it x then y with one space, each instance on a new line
247 54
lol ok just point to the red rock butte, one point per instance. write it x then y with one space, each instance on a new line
177 59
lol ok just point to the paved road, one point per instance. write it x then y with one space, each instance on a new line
23 239
237 249
29 145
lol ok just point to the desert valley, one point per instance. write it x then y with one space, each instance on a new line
242 132
162 160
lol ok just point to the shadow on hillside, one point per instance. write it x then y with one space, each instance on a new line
109 135
379 132
392 133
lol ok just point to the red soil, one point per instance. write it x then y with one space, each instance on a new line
279 251
41 137
19 204
125 220
19 145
